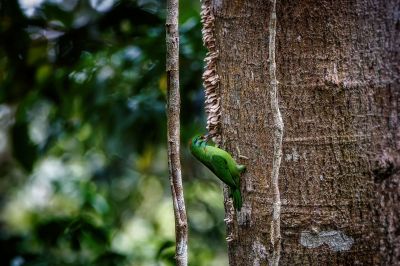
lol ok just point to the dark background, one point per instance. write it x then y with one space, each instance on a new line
83 164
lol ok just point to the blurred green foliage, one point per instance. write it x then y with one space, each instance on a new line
83 166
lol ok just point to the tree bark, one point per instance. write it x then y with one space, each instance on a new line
173 131
338 73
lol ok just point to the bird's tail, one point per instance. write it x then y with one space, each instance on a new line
237 199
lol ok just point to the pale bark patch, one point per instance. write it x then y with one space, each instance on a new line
260 253
336 240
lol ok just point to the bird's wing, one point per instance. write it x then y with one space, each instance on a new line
221 170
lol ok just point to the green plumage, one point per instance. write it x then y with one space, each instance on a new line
221 164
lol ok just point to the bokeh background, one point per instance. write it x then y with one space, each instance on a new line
83 160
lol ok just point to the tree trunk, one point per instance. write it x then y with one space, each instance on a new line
337 67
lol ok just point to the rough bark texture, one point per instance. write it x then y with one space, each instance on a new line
173 125
210 76
338 72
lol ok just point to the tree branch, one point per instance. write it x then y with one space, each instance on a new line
173 124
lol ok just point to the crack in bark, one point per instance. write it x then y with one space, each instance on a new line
278 133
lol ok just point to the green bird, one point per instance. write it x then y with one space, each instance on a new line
221 164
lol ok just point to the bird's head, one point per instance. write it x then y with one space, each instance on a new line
197 140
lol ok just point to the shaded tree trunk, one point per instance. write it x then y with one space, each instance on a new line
337 66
